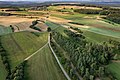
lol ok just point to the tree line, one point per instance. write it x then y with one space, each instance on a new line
4 58
90 59
18 73
112 14
33 25
64 61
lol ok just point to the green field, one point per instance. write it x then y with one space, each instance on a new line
5 30
100 26
114 68
20 45
3 72
43 66
98 38
52 25
91 36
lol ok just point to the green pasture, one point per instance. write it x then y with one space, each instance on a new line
97 38
21 45
114 68
52 25
43 66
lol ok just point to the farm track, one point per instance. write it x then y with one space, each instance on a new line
36 52
65 73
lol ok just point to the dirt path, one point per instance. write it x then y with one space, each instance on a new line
116 61
60 65
36 52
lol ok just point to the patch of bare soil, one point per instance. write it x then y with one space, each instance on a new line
42 26
22 26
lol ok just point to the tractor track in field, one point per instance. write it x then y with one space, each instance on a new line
16 43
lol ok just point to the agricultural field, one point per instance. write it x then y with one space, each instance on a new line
94 22
9 20
20 45
43 66
115 69
60 42
99 38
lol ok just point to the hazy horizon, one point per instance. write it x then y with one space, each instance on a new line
63 0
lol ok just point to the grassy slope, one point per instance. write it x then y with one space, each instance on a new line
99 38
3 72
114 68
21 45
5 30
51 25
43 66
91 36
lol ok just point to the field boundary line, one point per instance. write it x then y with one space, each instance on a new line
60 65
36 52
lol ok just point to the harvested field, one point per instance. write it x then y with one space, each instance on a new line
42 26
8 20
74 7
